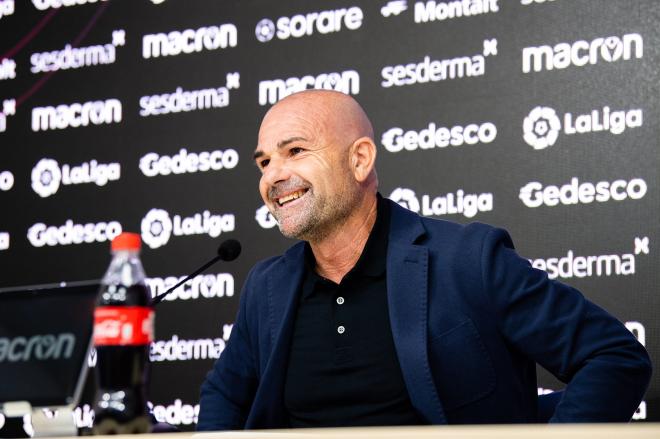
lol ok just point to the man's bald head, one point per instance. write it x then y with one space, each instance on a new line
317 155
339 117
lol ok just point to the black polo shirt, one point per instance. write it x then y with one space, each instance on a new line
342 368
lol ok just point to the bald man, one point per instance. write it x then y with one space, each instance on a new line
382 317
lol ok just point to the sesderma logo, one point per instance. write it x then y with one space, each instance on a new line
176 349
272 90
581 52
535 194
264 218
189 41
47 175
542 126
452 203
78 57
189 100
570 265
429 70
298 26
157 226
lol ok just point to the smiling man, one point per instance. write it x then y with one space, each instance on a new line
382 317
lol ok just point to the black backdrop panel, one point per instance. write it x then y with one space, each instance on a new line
540 116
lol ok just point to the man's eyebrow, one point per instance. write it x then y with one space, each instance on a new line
281 144
285 142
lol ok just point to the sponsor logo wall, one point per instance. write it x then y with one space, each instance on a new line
142 116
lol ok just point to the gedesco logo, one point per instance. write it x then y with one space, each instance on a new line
542 126
535 194
300 25
264 218
157 226
153 164
47 175
41 234
452 203
396 140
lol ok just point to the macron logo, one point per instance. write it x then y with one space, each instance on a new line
189 41
581 52
273 90
76 115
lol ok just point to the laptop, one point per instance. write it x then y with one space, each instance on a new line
45 340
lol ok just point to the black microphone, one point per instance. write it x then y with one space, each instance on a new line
227 251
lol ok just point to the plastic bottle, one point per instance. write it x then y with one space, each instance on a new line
123 330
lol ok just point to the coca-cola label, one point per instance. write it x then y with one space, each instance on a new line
123 325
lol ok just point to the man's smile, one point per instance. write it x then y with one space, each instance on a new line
281 201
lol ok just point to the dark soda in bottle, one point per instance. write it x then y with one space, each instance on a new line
123 331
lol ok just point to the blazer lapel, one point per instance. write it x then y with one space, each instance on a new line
283 293
407 293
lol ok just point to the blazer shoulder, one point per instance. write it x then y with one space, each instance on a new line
474 234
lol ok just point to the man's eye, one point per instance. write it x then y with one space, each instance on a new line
295 150
263 163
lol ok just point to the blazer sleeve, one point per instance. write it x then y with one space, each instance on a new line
229 388
606 369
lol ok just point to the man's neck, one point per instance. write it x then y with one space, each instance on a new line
338 252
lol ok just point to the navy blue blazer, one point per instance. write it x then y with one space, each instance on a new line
470 318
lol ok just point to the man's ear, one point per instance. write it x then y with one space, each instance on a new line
363 158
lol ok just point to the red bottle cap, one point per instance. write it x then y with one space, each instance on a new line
126 241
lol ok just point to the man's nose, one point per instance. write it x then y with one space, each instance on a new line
277 171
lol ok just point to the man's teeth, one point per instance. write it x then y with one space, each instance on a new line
290 197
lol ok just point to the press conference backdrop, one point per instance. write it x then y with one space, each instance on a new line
540 116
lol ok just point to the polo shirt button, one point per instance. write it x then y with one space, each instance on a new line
341 329
340 300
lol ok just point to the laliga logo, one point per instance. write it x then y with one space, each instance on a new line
265 218
265 30
405 198
46 177
156 228
541 127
